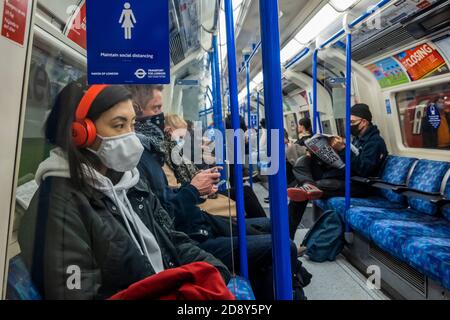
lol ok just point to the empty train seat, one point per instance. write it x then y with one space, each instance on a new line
396 171
427 177
20 286
419 234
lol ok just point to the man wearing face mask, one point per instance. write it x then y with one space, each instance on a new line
436 135
317 180
210 233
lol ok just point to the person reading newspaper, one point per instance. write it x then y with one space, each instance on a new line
321 173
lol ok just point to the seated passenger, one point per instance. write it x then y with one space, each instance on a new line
304 131
186 171
316 180
94 228
211 233
293 152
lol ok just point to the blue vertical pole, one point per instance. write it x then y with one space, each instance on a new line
315 106
257 124
249 120
218 116
270 38
348 101
239 184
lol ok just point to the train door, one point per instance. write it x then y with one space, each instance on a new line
15 32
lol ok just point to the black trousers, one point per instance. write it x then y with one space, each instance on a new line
308 170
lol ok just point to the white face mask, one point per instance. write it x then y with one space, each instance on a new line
180 142
120 153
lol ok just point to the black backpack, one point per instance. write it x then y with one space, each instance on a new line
325 240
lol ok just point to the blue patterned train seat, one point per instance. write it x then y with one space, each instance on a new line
428 176
338 204
431 256
417 235
396 171
446 209
20 286
362 219
392 235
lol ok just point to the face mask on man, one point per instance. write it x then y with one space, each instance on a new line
354 130
121 153
159 121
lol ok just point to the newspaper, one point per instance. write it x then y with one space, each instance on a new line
319 145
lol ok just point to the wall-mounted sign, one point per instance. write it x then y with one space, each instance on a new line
128 42
253 121
187 82
76 27
14 20
206 112
338 80
388 106
422 62
388 73
433 116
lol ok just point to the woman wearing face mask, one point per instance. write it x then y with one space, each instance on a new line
94 228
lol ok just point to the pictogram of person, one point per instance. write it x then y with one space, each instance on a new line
127 19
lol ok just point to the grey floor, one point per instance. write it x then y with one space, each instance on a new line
337 280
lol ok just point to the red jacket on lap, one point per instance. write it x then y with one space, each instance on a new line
195 281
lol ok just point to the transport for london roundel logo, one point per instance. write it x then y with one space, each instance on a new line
140 73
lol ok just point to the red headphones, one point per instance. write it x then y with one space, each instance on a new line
84 132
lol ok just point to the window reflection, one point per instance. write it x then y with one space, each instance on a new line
425 117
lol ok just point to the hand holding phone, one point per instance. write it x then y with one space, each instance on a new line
215 169
221 183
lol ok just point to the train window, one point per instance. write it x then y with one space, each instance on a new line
50 71
53 65
424 116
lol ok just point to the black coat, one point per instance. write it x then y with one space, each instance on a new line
372 153
66 229
180 202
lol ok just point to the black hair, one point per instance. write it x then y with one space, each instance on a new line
58 129
263 123
306 123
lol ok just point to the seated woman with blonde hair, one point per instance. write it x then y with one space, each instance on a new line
175 132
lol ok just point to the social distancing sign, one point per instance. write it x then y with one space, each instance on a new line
128 42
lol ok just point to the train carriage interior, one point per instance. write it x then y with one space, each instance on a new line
397 237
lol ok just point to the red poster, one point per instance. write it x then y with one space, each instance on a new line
76 27
422 61
14 20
